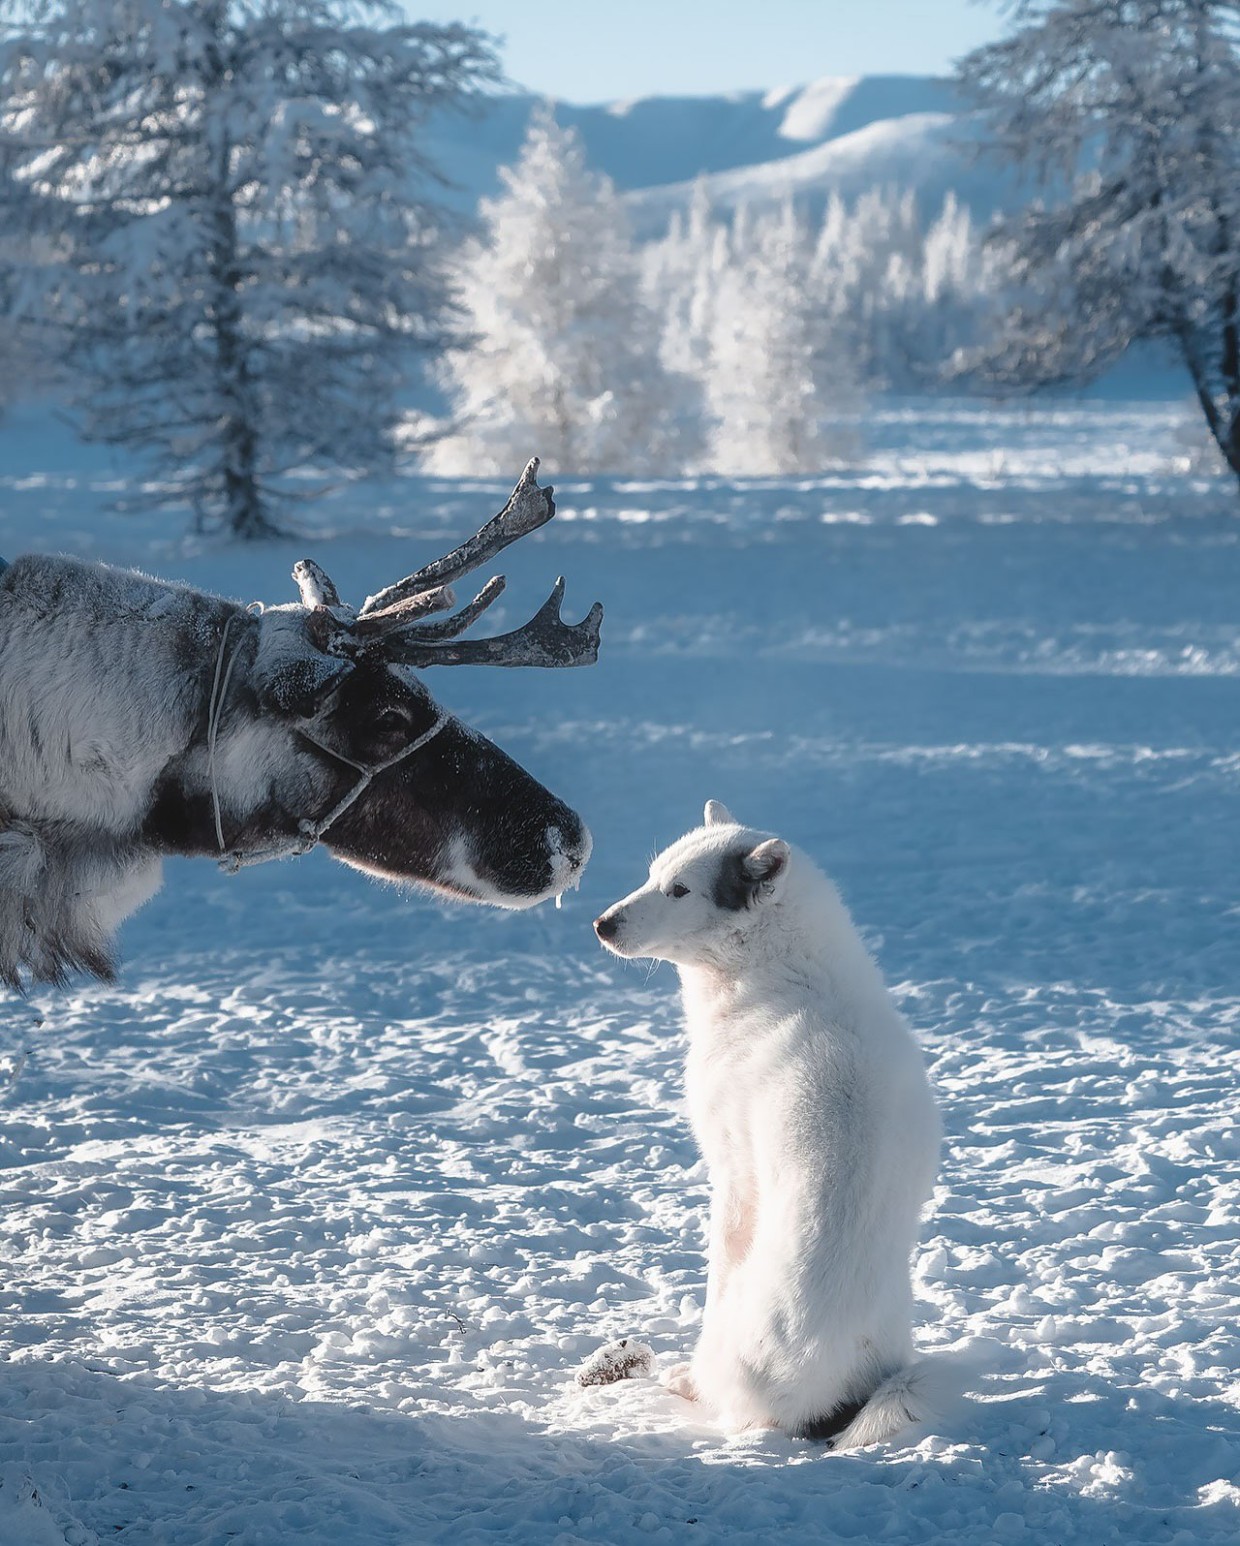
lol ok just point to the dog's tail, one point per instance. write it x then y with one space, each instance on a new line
923 1392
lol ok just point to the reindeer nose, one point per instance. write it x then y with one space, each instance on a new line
607 926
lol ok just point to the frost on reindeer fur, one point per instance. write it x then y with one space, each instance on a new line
809 1100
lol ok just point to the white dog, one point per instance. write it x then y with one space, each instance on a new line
810 1103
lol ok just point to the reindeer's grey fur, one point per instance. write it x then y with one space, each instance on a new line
103 682
106 680
63 894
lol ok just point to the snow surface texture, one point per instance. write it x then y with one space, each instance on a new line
309 1222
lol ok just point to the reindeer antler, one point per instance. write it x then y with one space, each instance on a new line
315 584
546 640
391 620
528 508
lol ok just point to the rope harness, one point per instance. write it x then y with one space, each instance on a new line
309 833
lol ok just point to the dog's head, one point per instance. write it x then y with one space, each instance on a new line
704 896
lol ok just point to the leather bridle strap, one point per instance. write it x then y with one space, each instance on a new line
309 833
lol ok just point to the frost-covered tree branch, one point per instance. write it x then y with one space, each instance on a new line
244 253
1128 112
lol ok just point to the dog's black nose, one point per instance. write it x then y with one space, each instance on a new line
606 926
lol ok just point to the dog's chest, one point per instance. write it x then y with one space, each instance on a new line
727 1074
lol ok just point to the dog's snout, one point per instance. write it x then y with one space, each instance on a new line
607 926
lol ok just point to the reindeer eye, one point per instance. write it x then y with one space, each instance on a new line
390 722
678 890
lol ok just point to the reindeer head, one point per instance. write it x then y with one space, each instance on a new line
401 788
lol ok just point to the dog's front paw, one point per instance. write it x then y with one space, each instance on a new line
679 1380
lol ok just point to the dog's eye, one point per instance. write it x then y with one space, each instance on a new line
678 890
390 722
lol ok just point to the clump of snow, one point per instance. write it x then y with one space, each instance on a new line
627 1359
25 1518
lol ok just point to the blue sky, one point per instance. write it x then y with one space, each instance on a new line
585 51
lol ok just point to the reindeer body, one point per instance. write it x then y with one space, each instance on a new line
104 676
140 718
104 679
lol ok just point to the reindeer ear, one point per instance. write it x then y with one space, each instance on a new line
718 815
765 866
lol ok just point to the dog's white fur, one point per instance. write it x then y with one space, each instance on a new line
809 1099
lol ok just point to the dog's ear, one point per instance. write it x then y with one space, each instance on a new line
765 867
718 815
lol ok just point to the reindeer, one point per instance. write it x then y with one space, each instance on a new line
140 718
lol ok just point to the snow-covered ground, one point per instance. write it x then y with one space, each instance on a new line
306 1224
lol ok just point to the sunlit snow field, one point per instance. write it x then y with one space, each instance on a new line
306 1224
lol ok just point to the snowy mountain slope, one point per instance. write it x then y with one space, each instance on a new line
928 152
836 105
750 144
307 1221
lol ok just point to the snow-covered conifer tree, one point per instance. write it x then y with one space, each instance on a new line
564 357
680 280
1129 113
865 270
934 304
874 298
235 190
778 380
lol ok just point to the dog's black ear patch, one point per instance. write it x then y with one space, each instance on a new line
746 878
734 890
